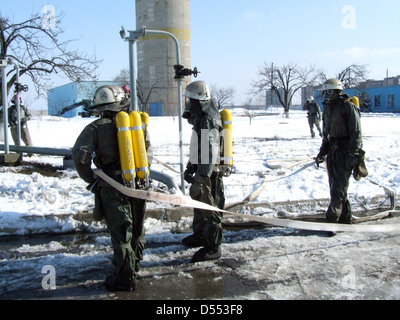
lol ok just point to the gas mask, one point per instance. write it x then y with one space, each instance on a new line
188 109
192 108
330 95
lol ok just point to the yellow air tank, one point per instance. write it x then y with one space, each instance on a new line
145 120
355 101
227 155
139 146
125 145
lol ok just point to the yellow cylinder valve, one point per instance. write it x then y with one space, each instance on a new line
227 150
139 146
125 145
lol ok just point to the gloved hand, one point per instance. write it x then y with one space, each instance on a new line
188 176
92 187
197 186
351 161
319 159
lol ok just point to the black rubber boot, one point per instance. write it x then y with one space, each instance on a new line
114 283
193 242
345 217
206 254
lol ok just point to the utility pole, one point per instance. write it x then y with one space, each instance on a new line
3 65
272 83
7 157
18 89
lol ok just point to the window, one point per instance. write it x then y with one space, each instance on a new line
390 100
377 101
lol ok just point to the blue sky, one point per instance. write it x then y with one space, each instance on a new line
231 39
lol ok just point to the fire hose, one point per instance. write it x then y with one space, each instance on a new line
185 201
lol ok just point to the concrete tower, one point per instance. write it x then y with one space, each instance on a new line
157 54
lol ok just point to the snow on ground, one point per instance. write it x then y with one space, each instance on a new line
269 138
35 204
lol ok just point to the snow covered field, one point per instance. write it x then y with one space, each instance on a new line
273 259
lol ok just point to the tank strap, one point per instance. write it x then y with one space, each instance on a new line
122 129
136 128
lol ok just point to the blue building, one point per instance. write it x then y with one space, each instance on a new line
75 92
383 99
71 93
384 94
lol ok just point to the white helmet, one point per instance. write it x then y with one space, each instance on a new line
197 90
108 94
111 98
334 84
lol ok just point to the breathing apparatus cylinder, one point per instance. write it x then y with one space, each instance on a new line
125 145
145 120
227 149
139 146
355 101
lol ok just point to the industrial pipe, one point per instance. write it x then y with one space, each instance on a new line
178 62
17 102
133 38
165 179
155 175
3 65
39 150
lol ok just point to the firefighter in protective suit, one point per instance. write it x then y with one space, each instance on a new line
203 172
124 216
341 146
313 116
25 116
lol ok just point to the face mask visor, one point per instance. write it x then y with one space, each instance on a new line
328 94
188 108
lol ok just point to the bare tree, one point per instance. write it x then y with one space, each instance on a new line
352 76
284 81
221 96
144 97
248 112
39 52
123 77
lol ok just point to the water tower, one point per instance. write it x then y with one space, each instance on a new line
156 55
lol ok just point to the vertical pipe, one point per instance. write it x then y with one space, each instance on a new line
181 134
133 74
18 105
133 38
5 109
178 62
272 84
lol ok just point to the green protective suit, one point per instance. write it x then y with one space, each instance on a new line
207 185
124 216
313 116
342 141
25 116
